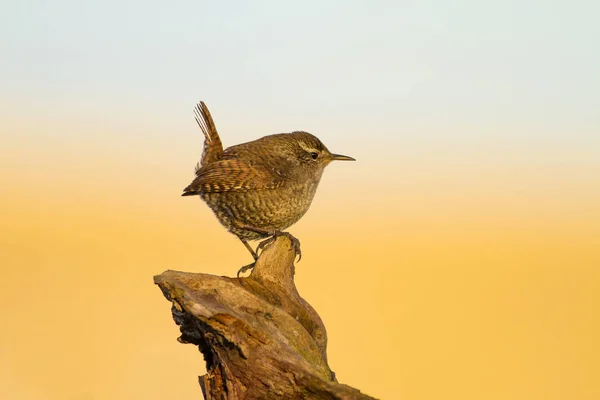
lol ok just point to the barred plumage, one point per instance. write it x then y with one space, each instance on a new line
258 189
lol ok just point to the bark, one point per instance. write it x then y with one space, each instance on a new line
259 338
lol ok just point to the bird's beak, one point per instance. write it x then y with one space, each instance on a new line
341 157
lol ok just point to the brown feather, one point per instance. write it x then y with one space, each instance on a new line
213 148
233 175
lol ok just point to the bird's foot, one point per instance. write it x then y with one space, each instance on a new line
276 234
245 268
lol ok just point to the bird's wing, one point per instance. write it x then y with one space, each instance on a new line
233 174
213 148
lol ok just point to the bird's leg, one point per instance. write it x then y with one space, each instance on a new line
262 232
250 249
275 235
254 255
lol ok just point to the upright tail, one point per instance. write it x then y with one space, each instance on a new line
213 148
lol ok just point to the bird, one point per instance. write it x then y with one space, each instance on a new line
259 188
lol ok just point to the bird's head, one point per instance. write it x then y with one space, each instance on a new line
312 153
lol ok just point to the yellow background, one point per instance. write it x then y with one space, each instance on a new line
458 258
431 284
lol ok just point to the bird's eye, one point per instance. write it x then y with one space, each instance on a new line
314 155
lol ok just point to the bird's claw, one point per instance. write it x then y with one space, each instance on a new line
245 268
276 234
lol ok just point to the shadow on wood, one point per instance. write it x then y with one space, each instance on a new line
259 338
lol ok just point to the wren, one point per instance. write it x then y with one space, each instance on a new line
257 189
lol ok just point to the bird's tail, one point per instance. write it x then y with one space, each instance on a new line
213 148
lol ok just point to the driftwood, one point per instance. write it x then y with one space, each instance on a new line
259 338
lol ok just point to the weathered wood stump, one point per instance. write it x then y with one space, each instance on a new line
259 338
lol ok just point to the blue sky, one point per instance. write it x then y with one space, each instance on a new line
514 74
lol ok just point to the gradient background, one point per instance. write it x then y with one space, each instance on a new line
459 258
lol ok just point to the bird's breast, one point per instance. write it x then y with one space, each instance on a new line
270 209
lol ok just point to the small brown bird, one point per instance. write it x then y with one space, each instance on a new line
258 189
